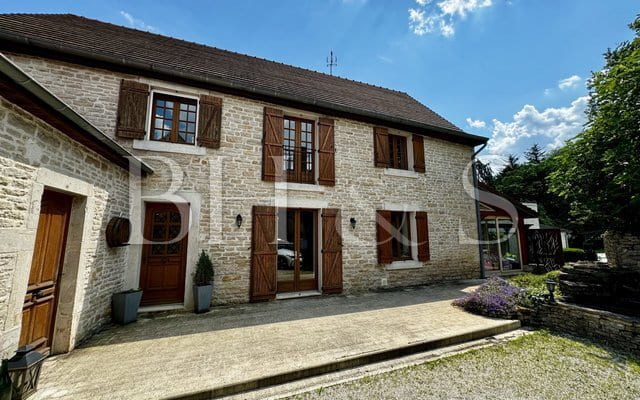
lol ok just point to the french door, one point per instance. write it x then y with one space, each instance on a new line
297 248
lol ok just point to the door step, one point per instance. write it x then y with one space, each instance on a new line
295 295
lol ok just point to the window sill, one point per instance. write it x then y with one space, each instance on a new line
165 147
408 264
401 172
302 187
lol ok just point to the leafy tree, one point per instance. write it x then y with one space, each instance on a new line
510 165
599 171
535 154
485 174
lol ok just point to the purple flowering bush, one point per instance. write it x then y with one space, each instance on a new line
496 298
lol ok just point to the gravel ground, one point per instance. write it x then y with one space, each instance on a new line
536 366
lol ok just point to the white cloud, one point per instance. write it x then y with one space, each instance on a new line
441 16
569 83
138 23
548 92
385 59
476 123
553 125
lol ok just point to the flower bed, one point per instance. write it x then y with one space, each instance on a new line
496 298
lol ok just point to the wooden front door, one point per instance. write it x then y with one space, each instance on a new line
164 253
40 303
297 249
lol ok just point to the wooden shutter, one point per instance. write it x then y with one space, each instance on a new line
381 147
209 121
132 110
422 226
383 236
272 144
331 251
264 253
418 153
326 153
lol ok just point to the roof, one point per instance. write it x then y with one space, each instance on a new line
524 210
20 89
90 39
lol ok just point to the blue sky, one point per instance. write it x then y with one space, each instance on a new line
511 70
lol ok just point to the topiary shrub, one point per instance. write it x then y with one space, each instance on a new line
496 298
572 254
204 270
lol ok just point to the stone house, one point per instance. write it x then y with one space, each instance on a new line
294 182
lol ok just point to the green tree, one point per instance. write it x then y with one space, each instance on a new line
599 171
485 174
535 154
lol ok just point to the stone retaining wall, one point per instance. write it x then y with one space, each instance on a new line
615 330
622 249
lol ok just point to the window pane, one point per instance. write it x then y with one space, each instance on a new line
192 117
191 127
169 104
192 108
183 115
183 107
168 113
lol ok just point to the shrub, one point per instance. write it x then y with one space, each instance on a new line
572 254
204 270
496 298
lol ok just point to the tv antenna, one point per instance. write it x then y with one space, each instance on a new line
332 61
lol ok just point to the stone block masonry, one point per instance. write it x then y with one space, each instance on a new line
34 157
228 181
615 330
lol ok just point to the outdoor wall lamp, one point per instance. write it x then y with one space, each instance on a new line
353 223
551 287
238 220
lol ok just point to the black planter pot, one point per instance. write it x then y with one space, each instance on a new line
202 298
124 306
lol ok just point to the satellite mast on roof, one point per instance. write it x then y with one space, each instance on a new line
332 61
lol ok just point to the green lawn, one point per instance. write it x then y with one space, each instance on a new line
535 283
536 366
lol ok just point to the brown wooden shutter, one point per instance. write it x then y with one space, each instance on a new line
132 110
422 226
264 253
418 153
383 236
326 153
331 251
209 121
272 144
381 147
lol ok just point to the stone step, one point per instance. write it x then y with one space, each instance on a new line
352 362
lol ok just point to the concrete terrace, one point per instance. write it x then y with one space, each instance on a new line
239 348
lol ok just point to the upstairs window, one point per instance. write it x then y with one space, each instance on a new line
173 119
400 236
298 150
398 152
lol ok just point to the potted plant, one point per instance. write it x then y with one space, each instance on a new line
124 306
203 284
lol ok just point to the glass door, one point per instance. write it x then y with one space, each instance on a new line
297 249
500 247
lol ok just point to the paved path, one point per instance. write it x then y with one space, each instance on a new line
187 353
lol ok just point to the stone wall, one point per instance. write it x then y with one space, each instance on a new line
622 249
606 327
33 157
228 182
